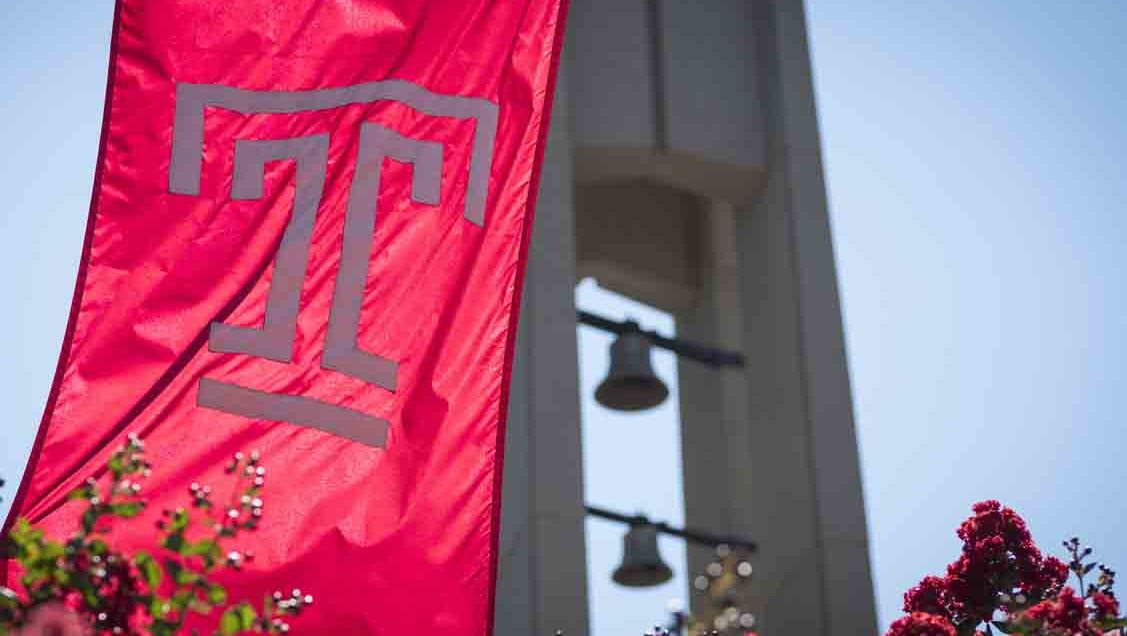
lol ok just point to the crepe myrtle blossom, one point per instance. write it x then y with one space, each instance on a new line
1002 583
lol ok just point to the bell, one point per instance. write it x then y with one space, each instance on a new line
631 384
641 562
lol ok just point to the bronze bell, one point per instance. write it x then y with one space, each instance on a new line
642 565
631 384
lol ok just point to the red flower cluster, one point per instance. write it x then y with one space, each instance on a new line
999 561
1001 571
921 624
1067 614
929 596
1106 605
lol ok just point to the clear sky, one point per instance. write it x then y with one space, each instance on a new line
975 156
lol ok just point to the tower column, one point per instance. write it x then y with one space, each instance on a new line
542 585
806 493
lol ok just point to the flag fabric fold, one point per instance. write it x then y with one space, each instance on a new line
307 237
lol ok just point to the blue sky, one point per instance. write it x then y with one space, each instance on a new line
975 157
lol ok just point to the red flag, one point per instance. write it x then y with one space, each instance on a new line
307 237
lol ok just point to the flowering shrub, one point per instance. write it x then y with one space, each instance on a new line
1002 583
84 587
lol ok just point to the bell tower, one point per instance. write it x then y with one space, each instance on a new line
684 170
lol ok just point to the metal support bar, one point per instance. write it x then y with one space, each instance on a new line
693 536
691 350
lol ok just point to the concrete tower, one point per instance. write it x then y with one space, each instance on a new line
684 170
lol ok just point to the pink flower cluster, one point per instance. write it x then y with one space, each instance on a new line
1001 570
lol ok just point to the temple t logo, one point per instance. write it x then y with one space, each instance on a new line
274 340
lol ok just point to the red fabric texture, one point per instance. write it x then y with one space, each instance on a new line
392 540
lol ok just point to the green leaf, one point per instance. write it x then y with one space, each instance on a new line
33 576
181 600
173 568
84 492
229 624
117 465
238 619
51 551
86 589
127 510
25 536
180 520
247 615
184 576
216 595
149 569
89 519
206 548
174 542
